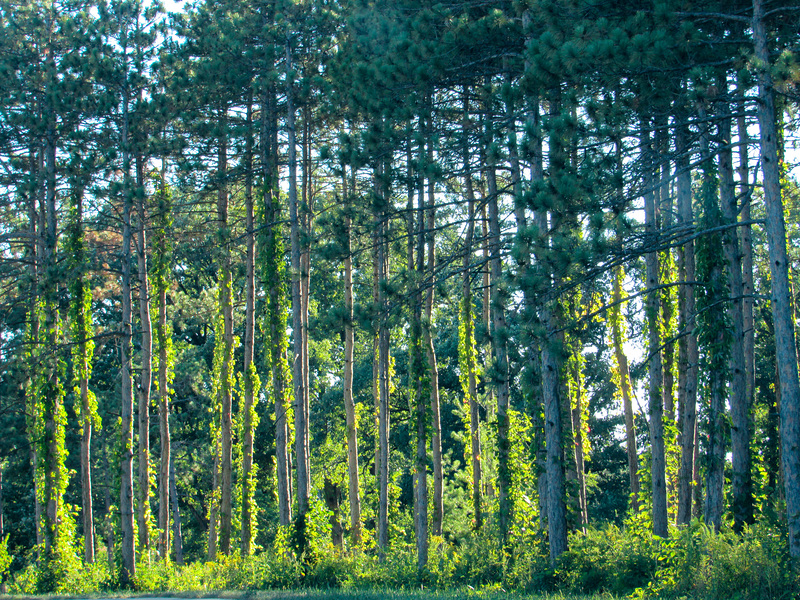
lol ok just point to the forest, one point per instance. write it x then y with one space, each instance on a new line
478 294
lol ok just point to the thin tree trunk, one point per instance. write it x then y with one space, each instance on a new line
298 376
741 484
625 389
250 374
658 472
469 333
383 362
688 356
128 543
433 368
349 342
746 246
177 535
785 348
275 292
82 359
498 336
145 376
226 376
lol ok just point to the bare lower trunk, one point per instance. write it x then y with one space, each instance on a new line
658 471
145 376
498 336
163 427
176 514
741 484
687 350
382 264
298 375
785 348
128 544
469 338
349 405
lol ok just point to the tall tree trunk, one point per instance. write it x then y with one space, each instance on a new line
275 276
383 359
785 348
128 543
298 375
145 376
741 484
226 376
687 346
427 322
551 372
164 341
658 471
498 336
713 338
349 343
469 367
746 248
82 367
251 381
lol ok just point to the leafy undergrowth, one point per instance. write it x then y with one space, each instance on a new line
693 563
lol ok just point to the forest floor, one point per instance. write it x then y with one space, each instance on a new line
466 594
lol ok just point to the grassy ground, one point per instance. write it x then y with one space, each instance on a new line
465 594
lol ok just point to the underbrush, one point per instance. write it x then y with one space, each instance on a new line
693 563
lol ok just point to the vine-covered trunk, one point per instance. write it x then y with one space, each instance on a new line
226 376
145 373
468 343
251 381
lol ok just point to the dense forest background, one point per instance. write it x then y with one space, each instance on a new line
389 292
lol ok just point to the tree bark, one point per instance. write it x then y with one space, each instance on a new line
298 375
688 357
658 472
741 484
785 347
145 376
468 327
349 342
128 543
226 376
498 337
250 374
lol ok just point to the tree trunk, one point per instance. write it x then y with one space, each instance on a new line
659 490
468 327
383 363
128 543
274 275
625 388
251 382
688 357
145 376
498 336
349 342
226 375
298 375
164 341
785 348
176 513
741 484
